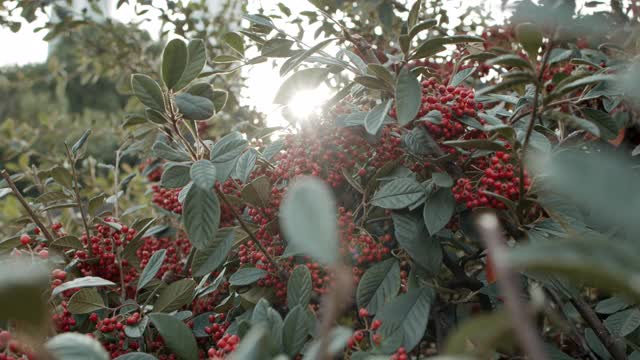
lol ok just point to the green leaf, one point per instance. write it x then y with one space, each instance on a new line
81 141
410 233
418 28
381 73
245 164
438 209
175 176
253 346
75 346
399 194
62 176
576 121
611 305
295 331
166 152
219 99
414 14
235 42
246 276
136 356
68 241
308 219
375 118
174 62
442 179
176 335
175 296
299 287
87 281
371 82
294 61
406 317
461 75
435 45
510 60
228 147
305 79
530 37
196 61
476 144
208 260
257 192
201 216
194 107
378 285
85 301
152 268
203 174
147 91
624 322
408 97
606 124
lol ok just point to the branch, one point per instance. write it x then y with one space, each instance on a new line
491 235
25 205
614 345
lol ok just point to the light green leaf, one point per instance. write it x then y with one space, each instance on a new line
408 97
174 62
201 216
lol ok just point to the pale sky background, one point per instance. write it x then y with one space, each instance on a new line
263 80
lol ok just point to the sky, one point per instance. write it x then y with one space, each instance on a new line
26 46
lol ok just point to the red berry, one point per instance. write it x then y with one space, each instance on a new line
25 239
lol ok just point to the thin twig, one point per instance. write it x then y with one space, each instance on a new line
283 274
491 235
534 113
76 190
25 205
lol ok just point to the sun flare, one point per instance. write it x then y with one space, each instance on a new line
307 102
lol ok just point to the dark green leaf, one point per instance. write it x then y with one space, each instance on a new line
176 335
376 117
295 331
196 60
406 317
147 91
175 296
408 97
166 152
136 356
175 176
461 75
152 268
435 45
246 276
438 209
174 62
530 38
235 42
201 216
409 230
81 141
85 301
245 164
208 260
194 107
299 287
228 147
378 285
203 174
611 305
399 194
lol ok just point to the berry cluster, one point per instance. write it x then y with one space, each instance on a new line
499 175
